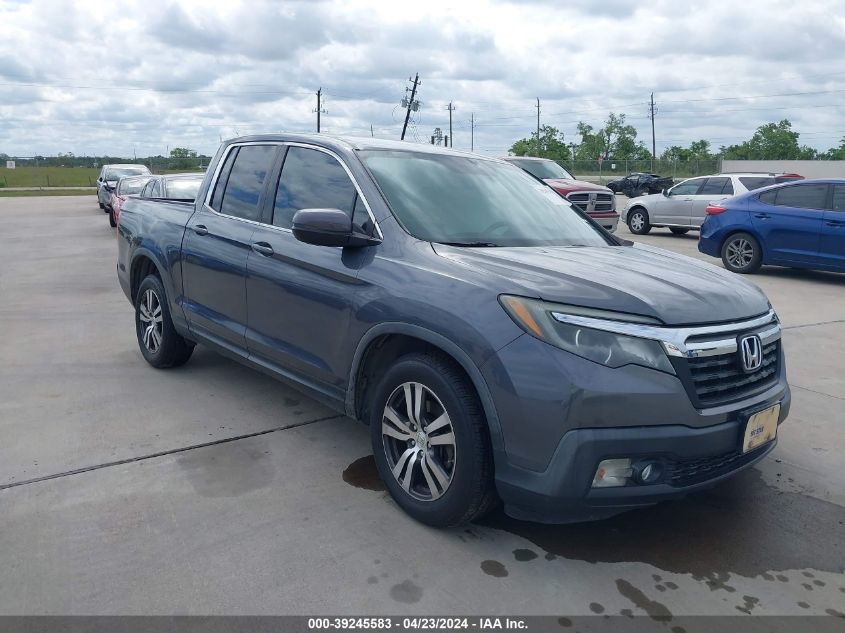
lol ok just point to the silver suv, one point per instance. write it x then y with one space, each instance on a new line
682 208
107 181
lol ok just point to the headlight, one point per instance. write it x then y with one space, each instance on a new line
546 321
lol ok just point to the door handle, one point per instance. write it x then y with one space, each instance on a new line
200 229
262 248
762 216
835 223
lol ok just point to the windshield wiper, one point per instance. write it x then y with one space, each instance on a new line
475 244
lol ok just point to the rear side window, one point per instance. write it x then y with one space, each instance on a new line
311 179
756 182
839 197
802 196
220 185
715 186
246 181
155 190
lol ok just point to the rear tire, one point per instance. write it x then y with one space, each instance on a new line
112 223
741 253
161 345
638 222
678 231
101 205
448 481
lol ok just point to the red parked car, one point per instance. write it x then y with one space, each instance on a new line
595 200
127 187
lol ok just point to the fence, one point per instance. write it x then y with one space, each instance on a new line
611 169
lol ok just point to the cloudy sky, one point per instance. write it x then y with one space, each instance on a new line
118 77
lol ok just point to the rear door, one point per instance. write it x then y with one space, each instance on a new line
714 188
832 243
300 296
676 207
217 244
789 220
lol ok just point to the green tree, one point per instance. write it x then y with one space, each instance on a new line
183 158
551 145
614 139
834 153
697 150
772 141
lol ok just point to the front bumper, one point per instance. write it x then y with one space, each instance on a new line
608 221
700 458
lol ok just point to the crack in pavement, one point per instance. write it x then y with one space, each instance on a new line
821 393
795 327
172 451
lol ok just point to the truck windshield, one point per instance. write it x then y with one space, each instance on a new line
542 169
475 202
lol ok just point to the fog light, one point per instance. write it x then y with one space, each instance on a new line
612 472
647 472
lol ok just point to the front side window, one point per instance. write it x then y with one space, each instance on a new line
469 201
802 196
155 192
688 188
839 197
311 179
246 181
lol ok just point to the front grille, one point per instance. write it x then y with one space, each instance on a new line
603 201
721 378
687 472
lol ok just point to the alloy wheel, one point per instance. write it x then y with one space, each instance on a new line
150 317
419 441
637 221
739 253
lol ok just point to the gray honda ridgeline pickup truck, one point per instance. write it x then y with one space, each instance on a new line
499 343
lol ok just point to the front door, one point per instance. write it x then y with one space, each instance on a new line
300 296
217 245
675 207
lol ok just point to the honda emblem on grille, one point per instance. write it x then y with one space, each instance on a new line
591 203
751 353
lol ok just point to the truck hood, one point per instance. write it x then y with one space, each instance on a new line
567 186
636 279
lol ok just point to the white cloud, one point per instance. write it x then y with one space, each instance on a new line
130 76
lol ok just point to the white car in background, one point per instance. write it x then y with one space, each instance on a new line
681 208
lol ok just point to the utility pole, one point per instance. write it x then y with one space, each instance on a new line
410 103
451 109
538 126
653 143
371 130
319 109
472 131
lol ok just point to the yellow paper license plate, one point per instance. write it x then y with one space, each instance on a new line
762 427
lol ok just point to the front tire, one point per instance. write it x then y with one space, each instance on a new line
741 253
678 230
430 441
161 345
638 222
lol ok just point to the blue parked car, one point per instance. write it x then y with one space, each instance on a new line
797 224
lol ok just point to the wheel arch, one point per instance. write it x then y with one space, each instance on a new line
387 341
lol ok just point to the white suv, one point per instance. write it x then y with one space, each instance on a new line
681 208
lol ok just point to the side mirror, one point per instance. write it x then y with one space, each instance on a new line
666 192
328 227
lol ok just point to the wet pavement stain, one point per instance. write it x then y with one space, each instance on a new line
494 568
742 526
524 555
362 473
748 604
655 610
407 592
565 622
803 605
227 470
595 607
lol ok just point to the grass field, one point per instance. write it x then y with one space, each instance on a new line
53 191
53 176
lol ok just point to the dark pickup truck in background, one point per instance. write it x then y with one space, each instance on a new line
499 344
